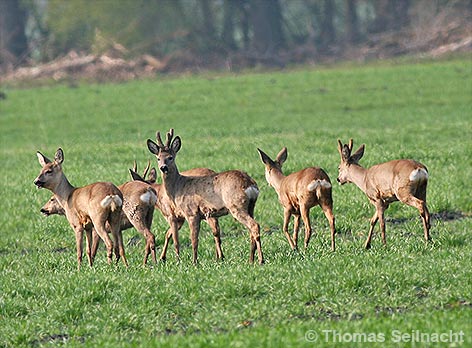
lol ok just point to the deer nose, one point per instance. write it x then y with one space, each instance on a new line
44 212
38 183
164 169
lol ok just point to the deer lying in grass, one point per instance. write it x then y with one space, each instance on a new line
401 180
298 193
139 200
197 197
86 207
164 205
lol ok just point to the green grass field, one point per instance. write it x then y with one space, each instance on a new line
401 295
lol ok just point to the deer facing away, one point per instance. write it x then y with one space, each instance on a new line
298 193
197 197
401 180
86 207
139 200
164 205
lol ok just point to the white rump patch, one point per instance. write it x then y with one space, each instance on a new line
318 183
149 197
419 174
252 192
108 200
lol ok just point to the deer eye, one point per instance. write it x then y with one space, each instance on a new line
170 158
49 171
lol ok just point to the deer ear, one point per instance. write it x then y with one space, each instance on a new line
358 154
43 160
152 146
135 176
176 144
59 156
345 153
264 158
282 156
152 176
340 147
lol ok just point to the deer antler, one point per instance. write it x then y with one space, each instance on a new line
147 169
169 136
159 140
351 143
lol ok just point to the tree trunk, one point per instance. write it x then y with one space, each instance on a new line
266 23
352 22
328 32
13 42
227 36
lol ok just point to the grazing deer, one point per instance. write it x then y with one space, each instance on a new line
164 204
139 200
214 195
401 180
86 207
298 193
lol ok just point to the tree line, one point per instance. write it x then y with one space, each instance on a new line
263 30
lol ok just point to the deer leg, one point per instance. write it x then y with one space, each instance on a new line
373 221
95 243
88 237
381 210
296 228
254 229
151 238
424 212
118 237
106 239
173 231
304 211
194 224
79 233
215 228
287 215
328 211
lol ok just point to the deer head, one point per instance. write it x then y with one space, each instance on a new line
51 174
165 153
347 160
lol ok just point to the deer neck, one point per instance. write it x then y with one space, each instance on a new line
274 178
171 181
63 191
357 175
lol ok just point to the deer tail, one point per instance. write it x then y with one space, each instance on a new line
113 201
317 185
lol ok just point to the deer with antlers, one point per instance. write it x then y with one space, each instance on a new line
86 208
298 193
401 180
199 197
163 204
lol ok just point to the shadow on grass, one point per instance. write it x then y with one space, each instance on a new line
444 215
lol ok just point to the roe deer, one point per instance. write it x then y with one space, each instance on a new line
298 193
86 207
139 200
401 180
197 197
164 205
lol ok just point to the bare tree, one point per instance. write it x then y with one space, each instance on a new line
13 42
352 22
266 23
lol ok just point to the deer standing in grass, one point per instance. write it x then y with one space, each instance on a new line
139 200
164 205
298 193
198 197
86 208
401 180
